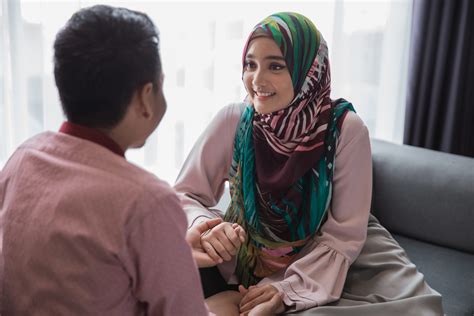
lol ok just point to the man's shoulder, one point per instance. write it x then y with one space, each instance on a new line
148 181
97 162
155 197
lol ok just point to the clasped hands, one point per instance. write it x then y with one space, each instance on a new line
215 241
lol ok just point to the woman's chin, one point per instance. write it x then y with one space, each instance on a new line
266 108
262 108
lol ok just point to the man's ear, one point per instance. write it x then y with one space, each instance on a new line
145 100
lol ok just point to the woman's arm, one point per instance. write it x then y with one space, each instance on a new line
317 277
200 183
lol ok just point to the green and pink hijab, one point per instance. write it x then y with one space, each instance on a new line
283 162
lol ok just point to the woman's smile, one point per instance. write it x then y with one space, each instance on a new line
266 76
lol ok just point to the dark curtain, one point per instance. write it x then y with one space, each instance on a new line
440 95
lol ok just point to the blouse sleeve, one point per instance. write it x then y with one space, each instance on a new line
318 274
200 183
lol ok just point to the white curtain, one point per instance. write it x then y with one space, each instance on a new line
201 47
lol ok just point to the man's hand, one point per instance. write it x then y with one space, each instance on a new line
223 241
261 300
193 237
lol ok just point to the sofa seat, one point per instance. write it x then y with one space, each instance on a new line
443 269
425 199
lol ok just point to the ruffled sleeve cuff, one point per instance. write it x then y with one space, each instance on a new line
315 279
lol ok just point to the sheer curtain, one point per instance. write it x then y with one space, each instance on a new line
201 47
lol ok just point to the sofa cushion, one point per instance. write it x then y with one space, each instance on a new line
448 271
424 194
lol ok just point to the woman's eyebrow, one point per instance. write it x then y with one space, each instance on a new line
272 57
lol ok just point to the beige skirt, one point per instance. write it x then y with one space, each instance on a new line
382 282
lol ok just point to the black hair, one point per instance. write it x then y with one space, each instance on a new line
101 57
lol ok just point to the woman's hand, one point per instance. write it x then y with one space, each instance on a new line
223 241
193 237
261 300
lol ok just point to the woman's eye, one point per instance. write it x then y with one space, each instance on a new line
277 67
249 65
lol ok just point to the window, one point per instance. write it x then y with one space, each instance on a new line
201 46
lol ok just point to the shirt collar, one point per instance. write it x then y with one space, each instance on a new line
93 135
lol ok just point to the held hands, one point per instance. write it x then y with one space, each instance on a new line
223 241
193 237
260 300
210 233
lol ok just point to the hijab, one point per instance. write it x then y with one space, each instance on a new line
283 161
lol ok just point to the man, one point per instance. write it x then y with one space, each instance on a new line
84 232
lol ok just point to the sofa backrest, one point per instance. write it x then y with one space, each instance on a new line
424 194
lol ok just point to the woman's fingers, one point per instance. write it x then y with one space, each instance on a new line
220 248
225 240
262 298
253 292
243 290
277 303
241 233
233 238
269 308
222 239
209 249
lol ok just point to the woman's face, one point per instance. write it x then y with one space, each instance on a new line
266 77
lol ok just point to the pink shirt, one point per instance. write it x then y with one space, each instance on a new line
84 232
317 275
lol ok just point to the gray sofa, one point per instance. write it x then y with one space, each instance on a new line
426 200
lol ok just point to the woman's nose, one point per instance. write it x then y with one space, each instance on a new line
259 78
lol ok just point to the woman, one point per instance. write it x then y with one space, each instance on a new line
299 168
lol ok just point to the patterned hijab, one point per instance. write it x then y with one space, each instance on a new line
283 162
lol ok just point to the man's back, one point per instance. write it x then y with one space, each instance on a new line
87 233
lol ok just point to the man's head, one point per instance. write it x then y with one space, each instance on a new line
107 67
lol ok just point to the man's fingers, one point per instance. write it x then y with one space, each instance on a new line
203 260
209 224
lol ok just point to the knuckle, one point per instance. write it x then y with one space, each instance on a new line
208 236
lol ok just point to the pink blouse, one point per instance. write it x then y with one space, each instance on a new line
317 275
